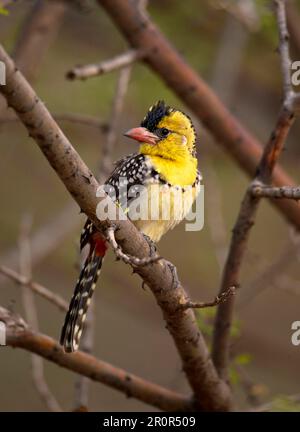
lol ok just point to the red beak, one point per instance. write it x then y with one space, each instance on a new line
142 134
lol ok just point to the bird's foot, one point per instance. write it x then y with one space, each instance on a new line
173 270
151 244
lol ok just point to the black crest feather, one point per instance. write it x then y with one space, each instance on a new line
155 114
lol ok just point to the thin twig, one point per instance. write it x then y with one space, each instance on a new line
107 147
19 335
267 278
263 191
46 238
37 288
215 214
37 366
284 49
92 70
223 297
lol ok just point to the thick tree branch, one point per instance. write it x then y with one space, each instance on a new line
142 33
19 335
209 391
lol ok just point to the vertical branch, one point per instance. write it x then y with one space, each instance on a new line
107 149
215 214
283 48
249 206
37 366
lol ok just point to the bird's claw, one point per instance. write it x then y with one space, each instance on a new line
175 278
151 244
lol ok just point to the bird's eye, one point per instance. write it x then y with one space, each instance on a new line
164 132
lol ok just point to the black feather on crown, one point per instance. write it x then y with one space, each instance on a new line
155 114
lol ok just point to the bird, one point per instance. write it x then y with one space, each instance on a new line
167 160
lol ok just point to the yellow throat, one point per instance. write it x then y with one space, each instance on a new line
173 157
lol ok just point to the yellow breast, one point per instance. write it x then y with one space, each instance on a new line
181 172
161 208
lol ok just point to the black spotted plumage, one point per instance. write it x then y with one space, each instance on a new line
134 170
76 315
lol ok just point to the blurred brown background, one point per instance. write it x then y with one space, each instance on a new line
236 54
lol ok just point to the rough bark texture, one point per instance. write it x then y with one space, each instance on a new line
210 392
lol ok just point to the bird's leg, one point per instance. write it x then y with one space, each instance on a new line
151 244
153 251
173 270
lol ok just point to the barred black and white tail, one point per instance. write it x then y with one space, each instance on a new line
74 321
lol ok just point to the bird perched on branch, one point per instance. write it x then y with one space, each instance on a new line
166 160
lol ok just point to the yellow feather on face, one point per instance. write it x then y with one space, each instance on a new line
173 157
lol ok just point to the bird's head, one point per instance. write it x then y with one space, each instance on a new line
165 132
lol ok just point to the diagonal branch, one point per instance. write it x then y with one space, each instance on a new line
20 336
37 288
46 238
92 70
209 391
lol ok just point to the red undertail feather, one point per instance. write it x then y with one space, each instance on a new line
84 289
